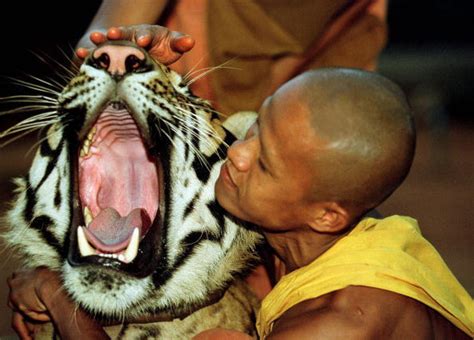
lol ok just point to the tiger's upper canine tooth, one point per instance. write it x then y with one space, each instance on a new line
87 216
132 249
84 247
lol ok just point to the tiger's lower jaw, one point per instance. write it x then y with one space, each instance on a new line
139 259
126 255
106 294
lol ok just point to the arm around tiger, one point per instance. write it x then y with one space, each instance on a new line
38 296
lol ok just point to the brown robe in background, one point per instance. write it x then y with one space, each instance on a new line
264 43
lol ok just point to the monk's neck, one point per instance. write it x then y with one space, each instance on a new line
298 248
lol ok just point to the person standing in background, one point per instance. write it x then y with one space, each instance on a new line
257 45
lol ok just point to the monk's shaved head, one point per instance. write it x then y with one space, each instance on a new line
364 132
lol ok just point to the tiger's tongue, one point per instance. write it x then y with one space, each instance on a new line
110 232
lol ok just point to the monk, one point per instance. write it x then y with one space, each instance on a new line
329 146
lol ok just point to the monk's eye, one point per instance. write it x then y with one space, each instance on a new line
261 165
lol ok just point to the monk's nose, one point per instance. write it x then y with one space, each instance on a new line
243 153
118 60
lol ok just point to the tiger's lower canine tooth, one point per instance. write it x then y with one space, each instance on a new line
132 249
84 247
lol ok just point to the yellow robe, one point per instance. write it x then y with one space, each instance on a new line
389 254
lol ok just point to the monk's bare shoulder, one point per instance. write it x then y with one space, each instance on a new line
363 313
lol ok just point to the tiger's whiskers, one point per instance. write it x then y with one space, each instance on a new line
65 73
205 71
28 125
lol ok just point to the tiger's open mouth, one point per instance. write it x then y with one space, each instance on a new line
118 184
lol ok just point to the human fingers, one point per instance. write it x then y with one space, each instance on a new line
37 316
20 326
164 46
181 43
85 46
82 52
35 312
152 35
142 35
169 48
118 33
23 295
98 37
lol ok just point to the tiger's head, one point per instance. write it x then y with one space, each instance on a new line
120 195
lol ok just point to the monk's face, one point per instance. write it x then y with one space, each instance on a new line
268 176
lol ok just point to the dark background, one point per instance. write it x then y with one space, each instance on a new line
441 28
430 54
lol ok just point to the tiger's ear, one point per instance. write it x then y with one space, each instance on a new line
239 122
329 217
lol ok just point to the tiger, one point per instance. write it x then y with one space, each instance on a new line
120 200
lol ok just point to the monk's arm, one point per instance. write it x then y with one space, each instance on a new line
38 295
123 13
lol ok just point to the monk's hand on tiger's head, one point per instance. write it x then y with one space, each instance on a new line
163 45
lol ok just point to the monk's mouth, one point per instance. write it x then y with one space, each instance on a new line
118 188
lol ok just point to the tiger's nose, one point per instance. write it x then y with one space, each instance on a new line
118 60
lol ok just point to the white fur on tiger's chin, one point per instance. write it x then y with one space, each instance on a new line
128 294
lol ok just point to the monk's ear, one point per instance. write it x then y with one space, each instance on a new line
329 217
